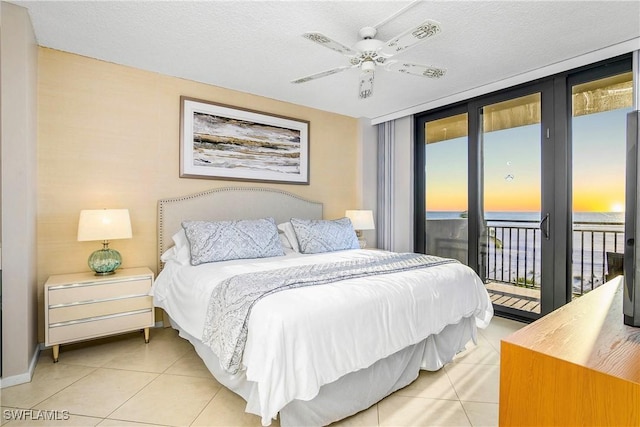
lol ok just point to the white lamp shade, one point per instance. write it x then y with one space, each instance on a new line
361 219
104 224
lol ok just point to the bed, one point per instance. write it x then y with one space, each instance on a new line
319 351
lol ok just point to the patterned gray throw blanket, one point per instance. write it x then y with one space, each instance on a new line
225 330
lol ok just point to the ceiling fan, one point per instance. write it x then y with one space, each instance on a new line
369 53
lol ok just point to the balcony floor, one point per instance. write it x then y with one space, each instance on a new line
518 297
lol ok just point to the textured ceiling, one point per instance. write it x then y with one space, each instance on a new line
256 46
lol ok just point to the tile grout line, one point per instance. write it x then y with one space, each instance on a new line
455 390
212 397
206 404
66 387
134 394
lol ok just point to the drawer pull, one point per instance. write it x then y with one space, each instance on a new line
94 301
93 319
101 282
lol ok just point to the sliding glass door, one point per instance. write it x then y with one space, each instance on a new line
599 107
446 190
541 222
483 194
513 225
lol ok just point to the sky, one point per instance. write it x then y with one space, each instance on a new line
599 161
512 167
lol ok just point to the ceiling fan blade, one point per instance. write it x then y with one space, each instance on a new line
366 84
416 69
411 37
325 41
321 74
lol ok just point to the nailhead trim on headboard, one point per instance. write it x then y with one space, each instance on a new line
299 207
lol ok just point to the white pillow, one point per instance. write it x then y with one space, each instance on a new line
286 244
179 252
317 236
290 234
288 251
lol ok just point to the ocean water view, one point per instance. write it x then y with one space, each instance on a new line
513 249
593 217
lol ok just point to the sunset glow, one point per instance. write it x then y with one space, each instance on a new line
512 169
617 207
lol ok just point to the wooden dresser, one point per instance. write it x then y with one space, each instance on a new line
577 366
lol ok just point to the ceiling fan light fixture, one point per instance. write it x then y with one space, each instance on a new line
368 66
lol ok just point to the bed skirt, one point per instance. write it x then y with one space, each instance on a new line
357 390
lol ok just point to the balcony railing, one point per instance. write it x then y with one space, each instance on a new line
512 252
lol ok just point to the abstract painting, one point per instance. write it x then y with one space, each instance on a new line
223 142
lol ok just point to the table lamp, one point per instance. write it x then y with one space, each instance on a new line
104 225
361 220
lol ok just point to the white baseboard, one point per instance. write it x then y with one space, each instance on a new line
25 377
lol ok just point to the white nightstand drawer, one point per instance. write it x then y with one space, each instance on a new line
80 292
97 327
87 310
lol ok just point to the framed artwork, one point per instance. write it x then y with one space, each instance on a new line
224 142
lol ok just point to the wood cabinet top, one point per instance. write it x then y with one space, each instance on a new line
589 332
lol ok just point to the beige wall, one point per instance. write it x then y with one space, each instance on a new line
108 136
18 70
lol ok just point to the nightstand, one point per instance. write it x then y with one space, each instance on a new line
83 306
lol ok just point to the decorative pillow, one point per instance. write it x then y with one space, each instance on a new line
226 240
290 233
316 236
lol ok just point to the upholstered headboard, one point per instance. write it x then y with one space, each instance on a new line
228 203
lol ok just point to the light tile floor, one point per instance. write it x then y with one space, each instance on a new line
120 381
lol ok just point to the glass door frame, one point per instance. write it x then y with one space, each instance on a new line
553 186
589 74
420 226
553 181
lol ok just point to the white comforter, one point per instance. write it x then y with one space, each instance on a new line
301 339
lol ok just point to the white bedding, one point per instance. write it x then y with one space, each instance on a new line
302 339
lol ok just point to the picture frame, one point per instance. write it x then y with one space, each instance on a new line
219 141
